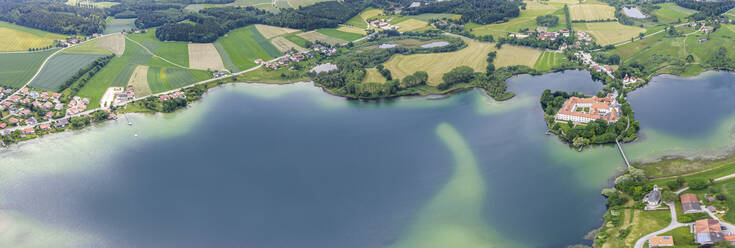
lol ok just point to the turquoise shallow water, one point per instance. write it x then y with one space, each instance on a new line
290 166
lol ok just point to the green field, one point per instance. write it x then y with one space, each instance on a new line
225 58
244 45
116 73
176 52
14 38
60 68
548 60
158 79
296 39
89 47
334 33
17 68
670 12
526 20
607 33
178 77
683 238
118 25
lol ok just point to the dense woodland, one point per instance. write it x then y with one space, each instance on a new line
706 9
482 12
211 23
53 17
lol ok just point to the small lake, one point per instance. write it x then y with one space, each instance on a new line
291 166
633 12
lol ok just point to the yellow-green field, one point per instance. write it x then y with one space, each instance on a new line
411 25
372 75
314 36
283 45
607 33
590 12
436 64
14 38
139 81
369 13
474 55
351 29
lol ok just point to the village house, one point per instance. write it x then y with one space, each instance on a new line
31 121
49 115
661 241
730 238
28 131
3 125
585 110
61 123
690 203
630 80
708 231
44 126
13 121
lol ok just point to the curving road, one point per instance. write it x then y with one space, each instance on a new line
673 225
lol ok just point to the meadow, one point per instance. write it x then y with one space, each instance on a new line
14 38
139 81
164 79
272 31
17 68
157 79
360 20
590 12
60 68
176 52
119 69
111 44
516 55
225 57
607 33
118 25
284 45
411 25
244 45
296 39
670 12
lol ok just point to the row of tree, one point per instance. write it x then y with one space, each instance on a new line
482 12
53 17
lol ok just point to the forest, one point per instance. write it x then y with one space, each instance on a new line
53 17
211 23
481 12
706 8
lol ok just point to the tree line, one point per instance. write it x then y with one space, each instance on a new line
53 17
481 12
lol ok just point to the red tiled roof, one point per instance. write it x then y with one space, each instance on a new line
706 226
687 198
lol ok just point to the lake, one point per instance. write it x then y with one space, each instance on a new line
633 12
290 166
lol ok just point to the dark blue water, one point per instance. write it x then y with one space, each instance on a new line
288 172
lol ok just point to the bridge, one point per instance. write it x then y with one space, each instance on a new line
625 158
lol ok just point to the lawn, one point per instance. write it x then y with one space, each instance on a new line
591 12
607 33
118 25
372 75
60 68
334 33
14 38
548 60
682 237
244 45
670 12
436 64
17 68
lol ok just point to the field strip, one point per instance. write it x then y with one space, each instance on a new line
139 81
153 54
204 56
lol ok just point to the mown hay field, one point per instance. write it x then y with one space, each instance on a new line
607 33
272 31
589 12
411 25
204 56
139 81
245 45
436 64
113 43
516 55
317 36
60 68
225 57
548 60
14 38
17 68
372 75
284 45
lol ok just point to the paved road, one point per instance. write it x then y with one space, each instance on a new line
716 179
673 225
